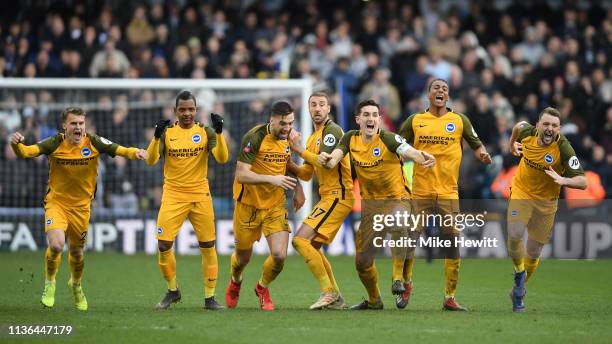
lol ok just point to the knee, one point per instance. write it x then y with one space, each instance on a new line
534 251
243 258
76 252
206 244
362 264
164 246
279 257
56 247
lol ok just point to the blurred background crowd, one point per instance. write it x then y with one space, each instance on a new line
504 61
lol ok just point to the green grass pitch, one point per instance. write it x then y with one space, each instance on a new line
567 301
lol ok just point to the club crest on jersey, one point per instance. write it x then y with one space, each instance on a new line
376 151
287 150
514 212
85 151
49 222
450 127
196 138
160 230
548 158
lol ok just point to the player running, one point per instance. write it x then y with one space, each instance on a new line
440 131
335 188
548 162
259 192
185 146
73 167
377 157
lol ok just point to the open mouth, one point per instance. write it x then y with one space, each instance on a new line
548 136
76 134
370 126
439 97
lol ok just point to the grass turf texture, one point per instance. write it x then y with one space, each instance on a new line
567 301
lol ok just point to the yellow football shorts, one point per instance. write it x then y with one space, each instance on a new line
74 221
250 223
172 214
371 209
536 215
327 217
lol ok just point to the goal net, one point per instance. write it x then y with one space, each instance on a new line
125 111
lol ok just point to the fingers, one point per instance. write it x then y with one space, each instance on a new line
142 154
16 138
288 183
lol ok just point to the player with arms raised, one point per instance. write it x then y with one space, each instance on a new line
377 157
73 167
548 162
259 192
185 146
441 132
335 188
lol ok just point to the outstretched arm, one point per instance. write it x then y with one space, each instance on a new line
303 172
153 151
330 161
132 153
244 175
22 150
576 182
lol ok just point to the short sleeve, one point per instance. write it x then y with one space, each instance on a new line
570 161
249 147
406 130
391 140
332 134
103 145
345 141
212 138
469 134
524 131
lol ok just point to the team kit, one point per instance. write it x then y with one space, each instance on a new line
432 139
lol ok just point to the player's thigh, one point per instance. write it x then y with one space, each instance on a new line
520 212
448 208
367 232
202 218
540 227
78 225
421 209
278 243
327 217
275 220
55 217
247 226
170 218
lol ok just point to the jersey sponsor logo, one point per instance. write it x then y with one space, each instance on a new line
247 148
376 151
574 163
287 149
548 158
106 141
85 151
49 222
196 138
329 140
399 139
450 127
160 230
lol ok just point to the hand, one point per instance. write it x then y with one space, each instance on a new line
17 138
142 154
295 140
216 121
555 176
324 158
516 149
484 157
160 126
429 160
285 182
298 198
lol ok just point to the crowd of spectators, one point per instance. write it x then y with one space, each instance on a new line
504 61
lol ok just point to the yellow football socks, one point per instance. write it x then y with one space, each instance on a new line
210 270
271 269
407 271
52 263
451 275
167 265
314 262
530 265
77 263
516 250
329 271
369 278
236 269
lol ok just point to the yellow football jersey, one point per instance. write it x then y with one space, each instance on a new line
73 169
185 153
378 167
530 180
266 155
337 181
442 137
